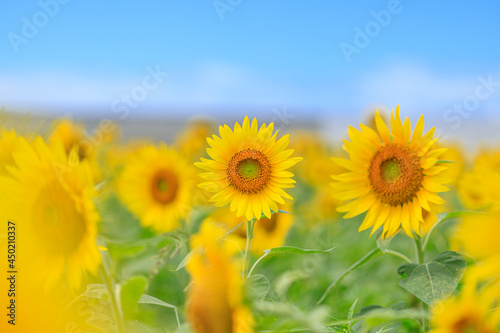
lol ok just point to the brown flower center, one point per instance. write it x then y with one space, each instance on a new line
164 186
269 224
395 174
249 171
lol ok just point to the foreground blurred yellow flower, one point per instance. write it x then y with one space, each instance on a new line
470 312
248 169
215 297
50 196
392 174
156 186
8 142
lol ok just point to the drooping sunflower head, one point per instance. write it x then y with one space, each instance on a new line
156 186
248 169
52 200
393 175
215 299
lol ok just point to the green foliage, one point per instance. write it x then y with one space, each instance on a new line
257 287
436 280
130 293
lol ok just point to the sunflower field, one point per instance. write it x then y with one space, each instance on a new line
241 227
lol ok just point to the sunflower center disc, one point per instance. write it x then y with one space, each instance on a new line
249 168
164 186
391 171
249 171
395 174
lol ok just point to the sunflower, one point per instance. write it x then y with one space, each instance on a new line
8 143
248 169
478 188
215 297
192 141
50 196
156 186
74 136
469 312
268 233
272 232
393 175
315 172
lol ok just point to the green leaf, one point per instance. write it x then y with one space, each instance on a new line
187 258
257 287
351 313
96 291
433 281
294 250
383 244
148 299
131 292
117 250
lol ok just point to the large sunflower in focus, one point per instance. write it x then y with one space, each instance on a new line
248 169
156 185
50 196
393 175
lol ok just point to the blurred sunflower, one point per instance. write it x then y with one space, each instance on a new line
192 141
477 236
248 169
74 136
156 185
50 196
315 172
267 233
272 232
478 188
393 175
470 312
215 297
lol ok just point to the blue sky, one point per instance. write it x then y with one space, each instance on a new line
249 54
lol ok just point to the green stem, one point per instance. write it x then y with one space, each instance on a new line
115 304
420 249
370 255
255 264
248 247
399 255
